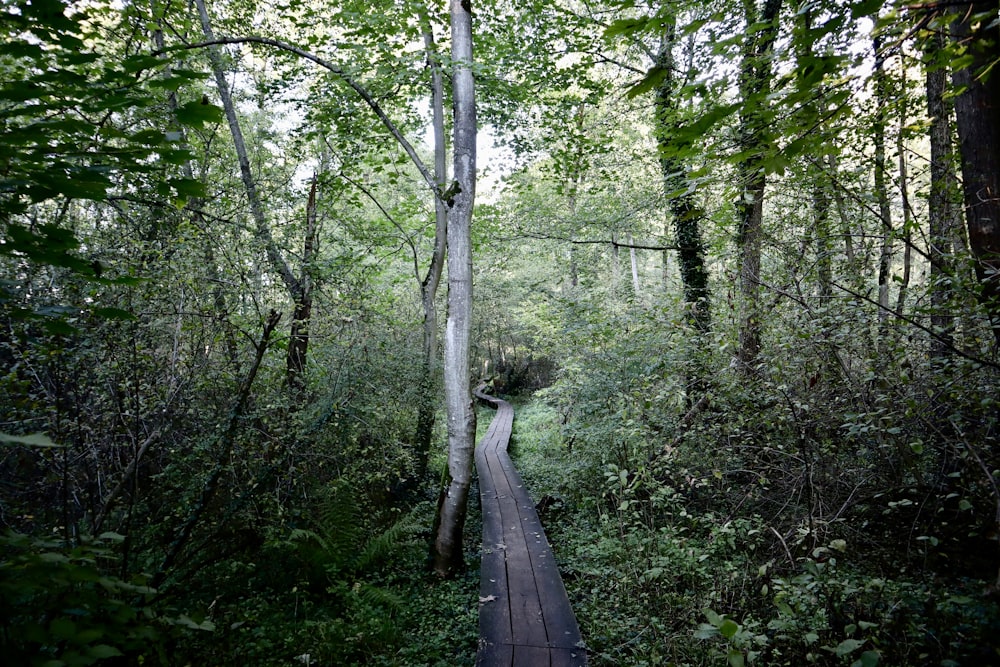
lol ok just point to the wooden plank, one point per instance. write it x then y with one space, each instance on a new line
527 622
564 657
495 655
494 600
531 656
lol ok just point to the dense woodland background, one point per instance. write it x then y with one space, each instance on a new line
731 262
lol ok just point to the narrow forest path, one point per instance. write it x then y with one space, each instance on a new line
525 619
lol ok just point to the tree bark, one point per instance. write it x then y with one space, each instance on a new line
755 83
687 215
904 193
461 414
298 343
940 209
881 188
634 264
429 285
977 115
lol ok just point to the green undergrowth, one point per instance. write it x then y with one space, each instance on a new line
660 573
338 591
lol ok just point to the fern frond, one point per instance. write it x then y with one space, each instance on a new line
379 547
375 596
299 535
338 520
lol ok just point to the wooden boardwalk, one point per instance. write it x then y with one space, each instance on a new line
525 619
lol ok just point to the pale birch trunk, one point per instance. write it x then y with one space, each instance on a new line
458 396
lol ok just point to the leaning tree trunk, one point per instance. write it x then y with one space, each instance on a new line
756 73
461 415
300 323
977 115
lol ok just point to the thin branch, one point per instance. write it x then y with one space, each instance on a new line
938 337
610 242
345 77
388 216
113 496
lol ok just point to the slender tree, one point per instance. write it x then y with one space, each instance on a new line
686 214
299 287
756 73
881 185
461 415
432 279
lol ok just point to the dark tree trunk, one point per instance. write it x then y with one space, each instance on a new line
427 404
940 208
977 114
882 189
687 215
298 343
756 73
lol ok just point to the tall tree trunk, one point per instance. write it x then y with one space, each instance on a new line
298 343
755 83
687 215
458 396
977 115
634 264
846 228
820 189
904 193
940 208
616 266
429 285
882 190
824 259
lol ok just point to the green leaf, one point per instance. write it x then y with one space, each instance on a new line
114 537
868 659
626 27
712 617
654 77
62 628
736 658
729 628
102 651
113 314
198 113
34 440
188 188
847 647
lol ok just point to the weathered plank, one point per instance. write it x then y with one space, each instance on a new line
525 616
494 655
